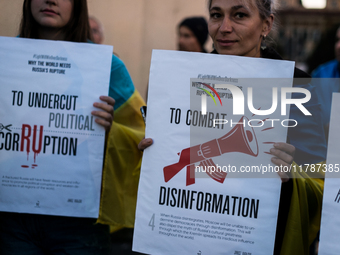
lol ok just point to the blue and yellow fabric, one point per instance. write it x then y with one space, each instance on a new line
122 158
304 213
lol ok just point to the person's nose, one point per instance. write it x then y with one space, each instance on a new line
51 2
226 25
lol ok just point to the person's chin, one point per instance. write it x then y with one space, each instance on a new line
181 48
226 51
49 24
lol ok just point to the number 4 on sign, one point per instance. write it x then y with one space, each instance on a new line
152 222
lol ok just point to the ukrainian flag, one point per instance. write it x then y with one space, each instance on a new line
122 158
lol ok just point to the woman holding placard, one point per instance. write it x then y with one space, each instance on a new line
67 20
239 27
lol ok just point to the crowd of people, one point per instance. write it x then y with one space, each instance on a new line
236 27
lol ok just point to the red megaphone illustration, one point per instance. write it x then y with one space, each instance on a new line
239 139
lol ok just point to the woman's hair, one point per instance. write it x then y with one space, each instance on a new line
77 30
265 7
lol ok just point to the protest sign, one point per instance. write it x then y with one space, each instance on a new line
329 231
51 147
203 188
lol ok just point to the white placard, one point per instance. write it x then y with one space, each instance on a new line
51 148
329 230
183 211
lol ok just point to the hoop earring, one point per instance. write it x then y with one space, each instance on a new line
263 43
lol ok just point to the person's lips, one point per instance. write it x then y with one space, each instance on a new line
225 42
49 12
